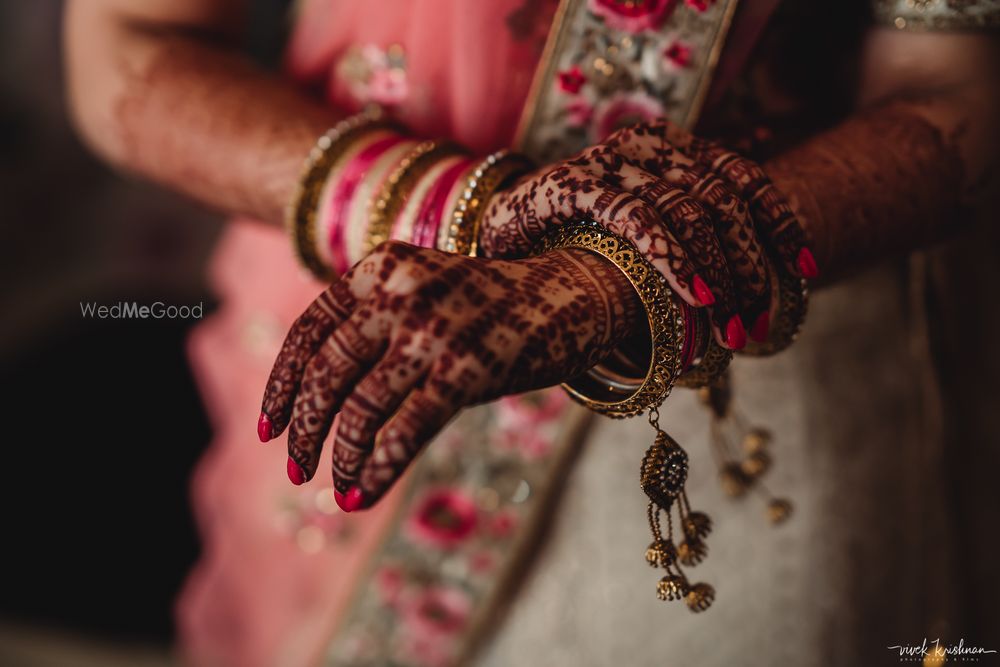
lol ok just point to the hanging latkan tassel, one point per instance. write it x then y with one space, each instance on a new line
740 468
663 475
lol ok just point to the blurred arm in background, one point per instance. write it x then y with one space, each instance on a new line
917 161
161 88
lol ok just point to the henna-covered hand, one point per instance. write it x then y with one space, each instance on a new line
704 216
409 336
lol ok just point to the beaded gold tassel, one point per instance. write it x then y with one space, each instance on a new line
662 477
742 466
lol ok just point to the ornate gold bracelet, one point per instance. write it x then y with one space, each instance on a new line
706 370
666 325
300 217
488 177
392 195
792 296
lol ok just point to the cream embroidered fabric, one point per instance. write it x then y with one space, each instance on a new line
938 14
856 569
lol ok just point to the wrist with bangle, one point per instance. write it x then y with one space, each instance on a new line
366 182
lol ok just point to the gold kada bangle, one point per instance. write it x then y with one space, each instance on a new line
792 296
300 217
489 176
706 370
666 326
392 195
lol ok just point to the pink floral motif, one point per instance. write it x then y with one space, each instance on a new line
443 518
531 409
388 86
372 74
578 113
571 80
390 582
530 444
424 651
436 610
632 15
678 53
432 621
699 5
482 562
502 524
621 110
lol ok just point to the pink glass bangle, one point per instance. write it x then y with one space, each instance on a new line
357 231
404 226
431 212
343 193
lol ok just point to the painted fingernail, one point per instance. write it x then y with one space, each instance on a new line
339 497
264 427
761 326
295 472
701 291
736 334
354 499
807 264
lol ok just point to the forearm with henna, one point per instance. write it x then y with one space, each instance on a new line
884 182
410 335
204 120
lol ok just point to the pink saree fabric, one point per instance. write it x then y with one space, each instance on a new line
468 65
263 593
278 563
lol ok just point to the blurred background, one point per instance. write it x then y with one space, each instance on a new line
102 422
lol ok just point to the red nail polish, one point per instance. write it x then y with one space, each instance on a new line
807 264
295 472
736 335
354 499
264 427
761 326
339 497
701 291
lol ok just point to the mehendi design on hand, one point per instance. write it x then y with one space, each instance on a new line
410 336
705 217
730 214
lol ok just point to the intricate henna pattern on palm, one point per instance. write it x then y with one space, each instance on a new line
410 336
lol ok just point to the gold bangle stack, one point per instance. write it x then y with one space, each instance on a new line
488 177
300 217
395 190
706 370
666 325
792 296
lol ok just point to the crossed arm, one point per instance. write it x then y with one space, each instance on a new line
158 87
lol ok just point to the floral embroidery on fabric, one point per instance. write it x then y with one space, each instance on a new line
476 489
624 109
444 518
699 5
622 60
372 75
937 14
678 54
632 16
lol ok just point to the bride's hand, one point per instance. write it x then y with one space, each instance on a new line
704 216
409 336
